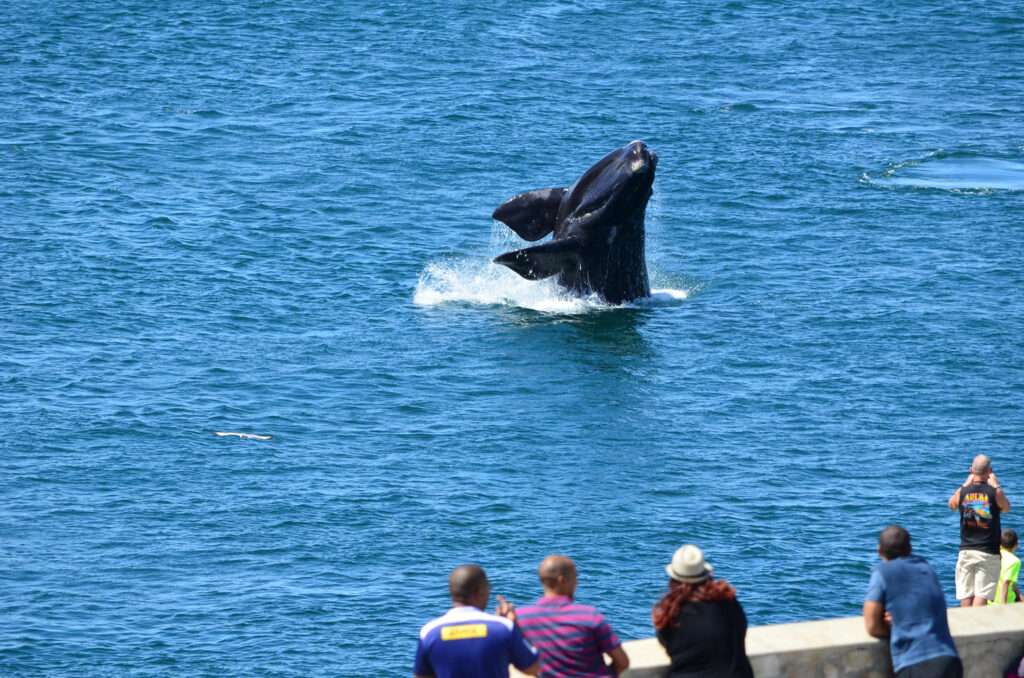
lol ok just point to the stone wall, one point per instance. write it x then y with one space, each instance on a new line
987 639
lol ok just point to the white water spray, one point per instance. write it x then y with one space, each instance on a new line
477 280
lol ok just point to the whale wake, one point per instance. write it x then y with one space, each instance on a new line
955 171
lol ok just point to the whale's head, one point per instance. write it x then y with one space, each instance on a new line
618 184
598 226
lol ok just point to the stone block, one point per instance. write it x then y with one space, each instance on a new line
987 639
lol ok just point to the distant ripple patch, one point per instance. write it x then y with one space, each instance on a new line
954 171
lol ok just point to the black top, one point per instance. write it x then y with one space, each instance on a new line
979 518
709 642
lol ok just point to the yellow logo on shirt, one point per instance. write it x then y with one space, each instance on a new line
464 631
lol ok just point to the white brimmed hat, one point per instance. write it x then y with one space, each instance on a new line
688 565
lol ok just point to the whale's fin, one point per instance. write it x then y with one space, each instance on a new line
532 214
543 261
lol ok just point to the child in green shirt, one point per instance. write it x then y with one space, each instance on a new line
1007 591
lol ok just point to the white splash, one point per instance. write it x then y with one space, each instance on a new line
485 283
243 436
481 282
665 297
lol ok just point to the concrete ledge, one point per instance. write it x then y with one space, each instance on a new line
987 638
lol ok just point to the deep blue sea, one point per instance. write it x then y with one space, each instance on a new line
274 218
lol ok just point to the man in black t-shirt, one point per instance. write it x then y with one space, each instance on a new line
981 501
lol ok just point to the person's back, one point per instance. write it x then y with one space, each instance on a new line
699 622
904 588
468 643
708 641
979 518
981 502
571 637
914 598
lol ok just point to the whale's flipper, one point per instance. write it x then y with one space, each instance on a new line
532 214
543 261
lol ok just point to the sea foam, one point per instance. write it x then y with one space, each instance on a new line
481 282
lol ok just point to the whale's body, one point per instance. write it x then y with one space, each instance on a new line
598 227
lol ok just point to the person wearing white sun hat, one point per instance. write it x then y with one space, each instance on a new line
699 622
688 565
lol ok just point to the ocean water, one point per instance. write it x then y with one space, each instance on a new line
274 218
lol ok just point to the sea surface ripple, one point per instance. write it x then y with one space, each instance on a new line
274 218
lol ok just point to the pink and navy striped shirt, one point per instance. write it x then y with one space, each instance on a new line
571 637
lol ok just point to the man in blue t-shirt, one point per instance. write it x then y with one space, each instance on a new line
905 602
467 642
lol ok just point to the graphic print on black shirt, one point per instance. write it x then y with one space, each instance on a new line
979 518
977 510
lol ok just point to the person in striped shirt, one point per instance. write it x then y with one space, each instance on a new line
572 638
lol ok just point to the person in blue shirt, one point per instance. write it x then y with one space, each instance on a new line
905 603
467 642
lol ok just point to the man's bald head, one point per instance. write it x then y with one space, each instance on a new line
558 575
467 584
981 465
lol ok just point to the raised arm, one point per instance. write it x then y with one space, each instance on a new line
954 500
1004 503
524 657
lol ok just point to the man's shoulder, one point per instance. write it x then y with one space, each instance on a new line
978 488
584 609
467 617
912 561
570 612
907 565
917 561
533 610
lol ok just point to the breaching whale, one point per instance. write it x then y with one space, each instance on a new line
598 226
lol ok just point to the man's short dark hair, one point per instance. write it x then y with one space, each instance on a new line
894 542
1009 539
465 582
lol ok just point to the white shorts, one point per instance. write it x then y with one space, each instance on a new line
977 574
